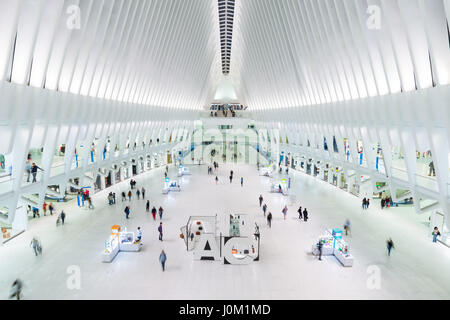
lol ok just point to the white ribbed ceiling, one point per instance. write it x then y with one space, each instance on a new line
155 52
284 53
290 53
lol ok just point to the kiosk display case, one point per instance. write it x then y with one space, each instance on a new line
280 187
342 254
111 248
119 241
334 244
171 185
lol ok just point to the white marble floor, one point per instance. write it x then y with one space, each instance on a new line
417 268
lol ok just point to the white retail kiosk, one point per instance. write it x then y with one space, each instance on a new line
266 171
333 244
119 241
280 187
182 171
170 185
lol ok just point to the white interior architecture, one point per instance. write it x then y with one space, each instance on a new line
335 101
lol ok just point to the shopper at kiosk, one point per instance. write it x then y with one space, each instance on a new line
138 234
320 247
347 226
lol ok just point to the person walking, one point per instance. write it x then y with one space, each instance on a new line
264 209
36 246
143 192
260 200
347 226
305 215
242 181
147 206
231 178
367 203
138 234
269 219
16 289
432 171
383 203
390 246
300 213
284 211
163 259
34 169
44 207
63 217
36 212
435 234
160 230
28 169
127 211
154 213
138 193
217 180
364 203
51 208
160 211
124 197
129 195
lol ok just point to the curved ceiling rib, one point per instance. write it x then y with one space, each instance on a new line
141 51
295 53
169 53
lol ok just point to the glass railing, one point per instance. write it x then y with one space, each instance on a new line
6 184
29 177
400 173
57 169
219 114
427 182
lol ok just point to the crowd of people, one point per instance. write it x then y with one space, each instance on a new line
212 170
